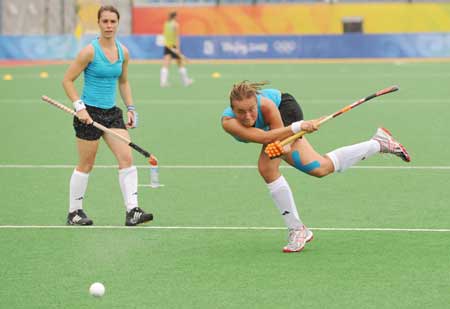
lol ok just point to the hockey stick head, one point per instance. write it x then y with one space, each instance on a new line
152 160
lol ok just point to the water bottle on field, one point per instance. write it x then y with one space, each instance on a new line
154 175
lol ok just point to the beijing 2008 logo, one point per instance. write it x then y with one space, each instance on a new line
284 47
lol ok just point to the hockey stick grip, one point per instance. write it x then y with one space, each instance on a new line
59 105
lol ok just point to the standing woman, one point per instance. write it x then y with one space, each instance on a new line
104 63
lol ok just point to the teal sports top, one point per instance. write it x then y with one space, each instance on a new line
273 94
100 78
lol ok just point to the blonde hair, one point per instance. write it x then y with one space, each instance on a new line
245 90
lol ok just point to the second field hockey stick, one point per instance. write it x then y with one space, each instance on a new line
178 53
275 149
99 126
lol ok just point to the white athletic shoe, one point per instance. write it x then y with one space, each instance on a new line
188 82
389 145
297 238
164 85
309 235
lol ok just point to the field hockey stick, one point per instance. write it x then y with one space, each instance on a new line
178 53
143 152
275 149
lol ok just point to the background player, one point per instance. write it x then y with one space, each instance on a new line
172 51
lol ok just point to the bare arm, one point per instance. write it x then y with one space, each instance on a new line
255 135
125 90
81 62
177 36
124 85
273 118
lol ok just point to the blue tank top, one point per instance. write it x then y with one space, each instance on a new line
100 78
273 94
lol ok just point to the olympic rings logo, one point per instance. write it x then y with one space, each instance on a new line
285 47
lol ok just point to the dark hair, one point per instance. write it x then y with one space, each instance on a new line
172 15
108 8
245 90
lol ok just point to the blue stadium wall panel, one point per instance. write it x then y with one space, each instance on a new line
241 47
38 47
323 46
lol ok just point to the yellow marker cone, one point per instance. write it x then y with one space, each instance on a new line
7 77
43 75
215 75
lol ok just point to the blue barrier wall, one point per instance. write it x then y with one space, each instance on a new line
320 46
242 47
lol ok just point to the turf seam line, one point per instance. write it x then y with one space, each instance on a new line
62 166
258 228
161 101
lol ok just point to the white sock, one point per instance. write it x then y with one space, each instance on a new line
284 200
183 74
78 185
347 156
128 180
164 75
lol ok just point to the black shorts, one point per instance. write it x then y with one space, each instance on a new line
110 118
167 51
289 109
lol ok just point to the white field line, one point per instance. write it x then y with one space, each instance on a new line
224 228
341 73
395 61
214 101
68 166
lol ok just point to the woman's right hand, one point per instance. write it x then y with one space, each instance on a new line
84 117
311 125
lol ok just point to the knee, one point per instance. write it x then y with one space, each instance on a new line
322 171
125 162
85 167
263 170
268 173
319 173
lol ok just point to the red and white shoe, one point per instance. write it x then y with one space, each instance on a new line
309 235
297 238
389 145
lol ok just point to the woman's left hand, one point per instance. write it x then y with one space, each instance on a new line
132 121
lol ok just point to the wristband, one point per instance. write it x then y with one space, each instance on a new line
79 105
131 108
296 126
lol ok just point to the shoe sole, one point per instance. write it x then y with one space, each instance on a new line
407 157
131 224
292 251
82 224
